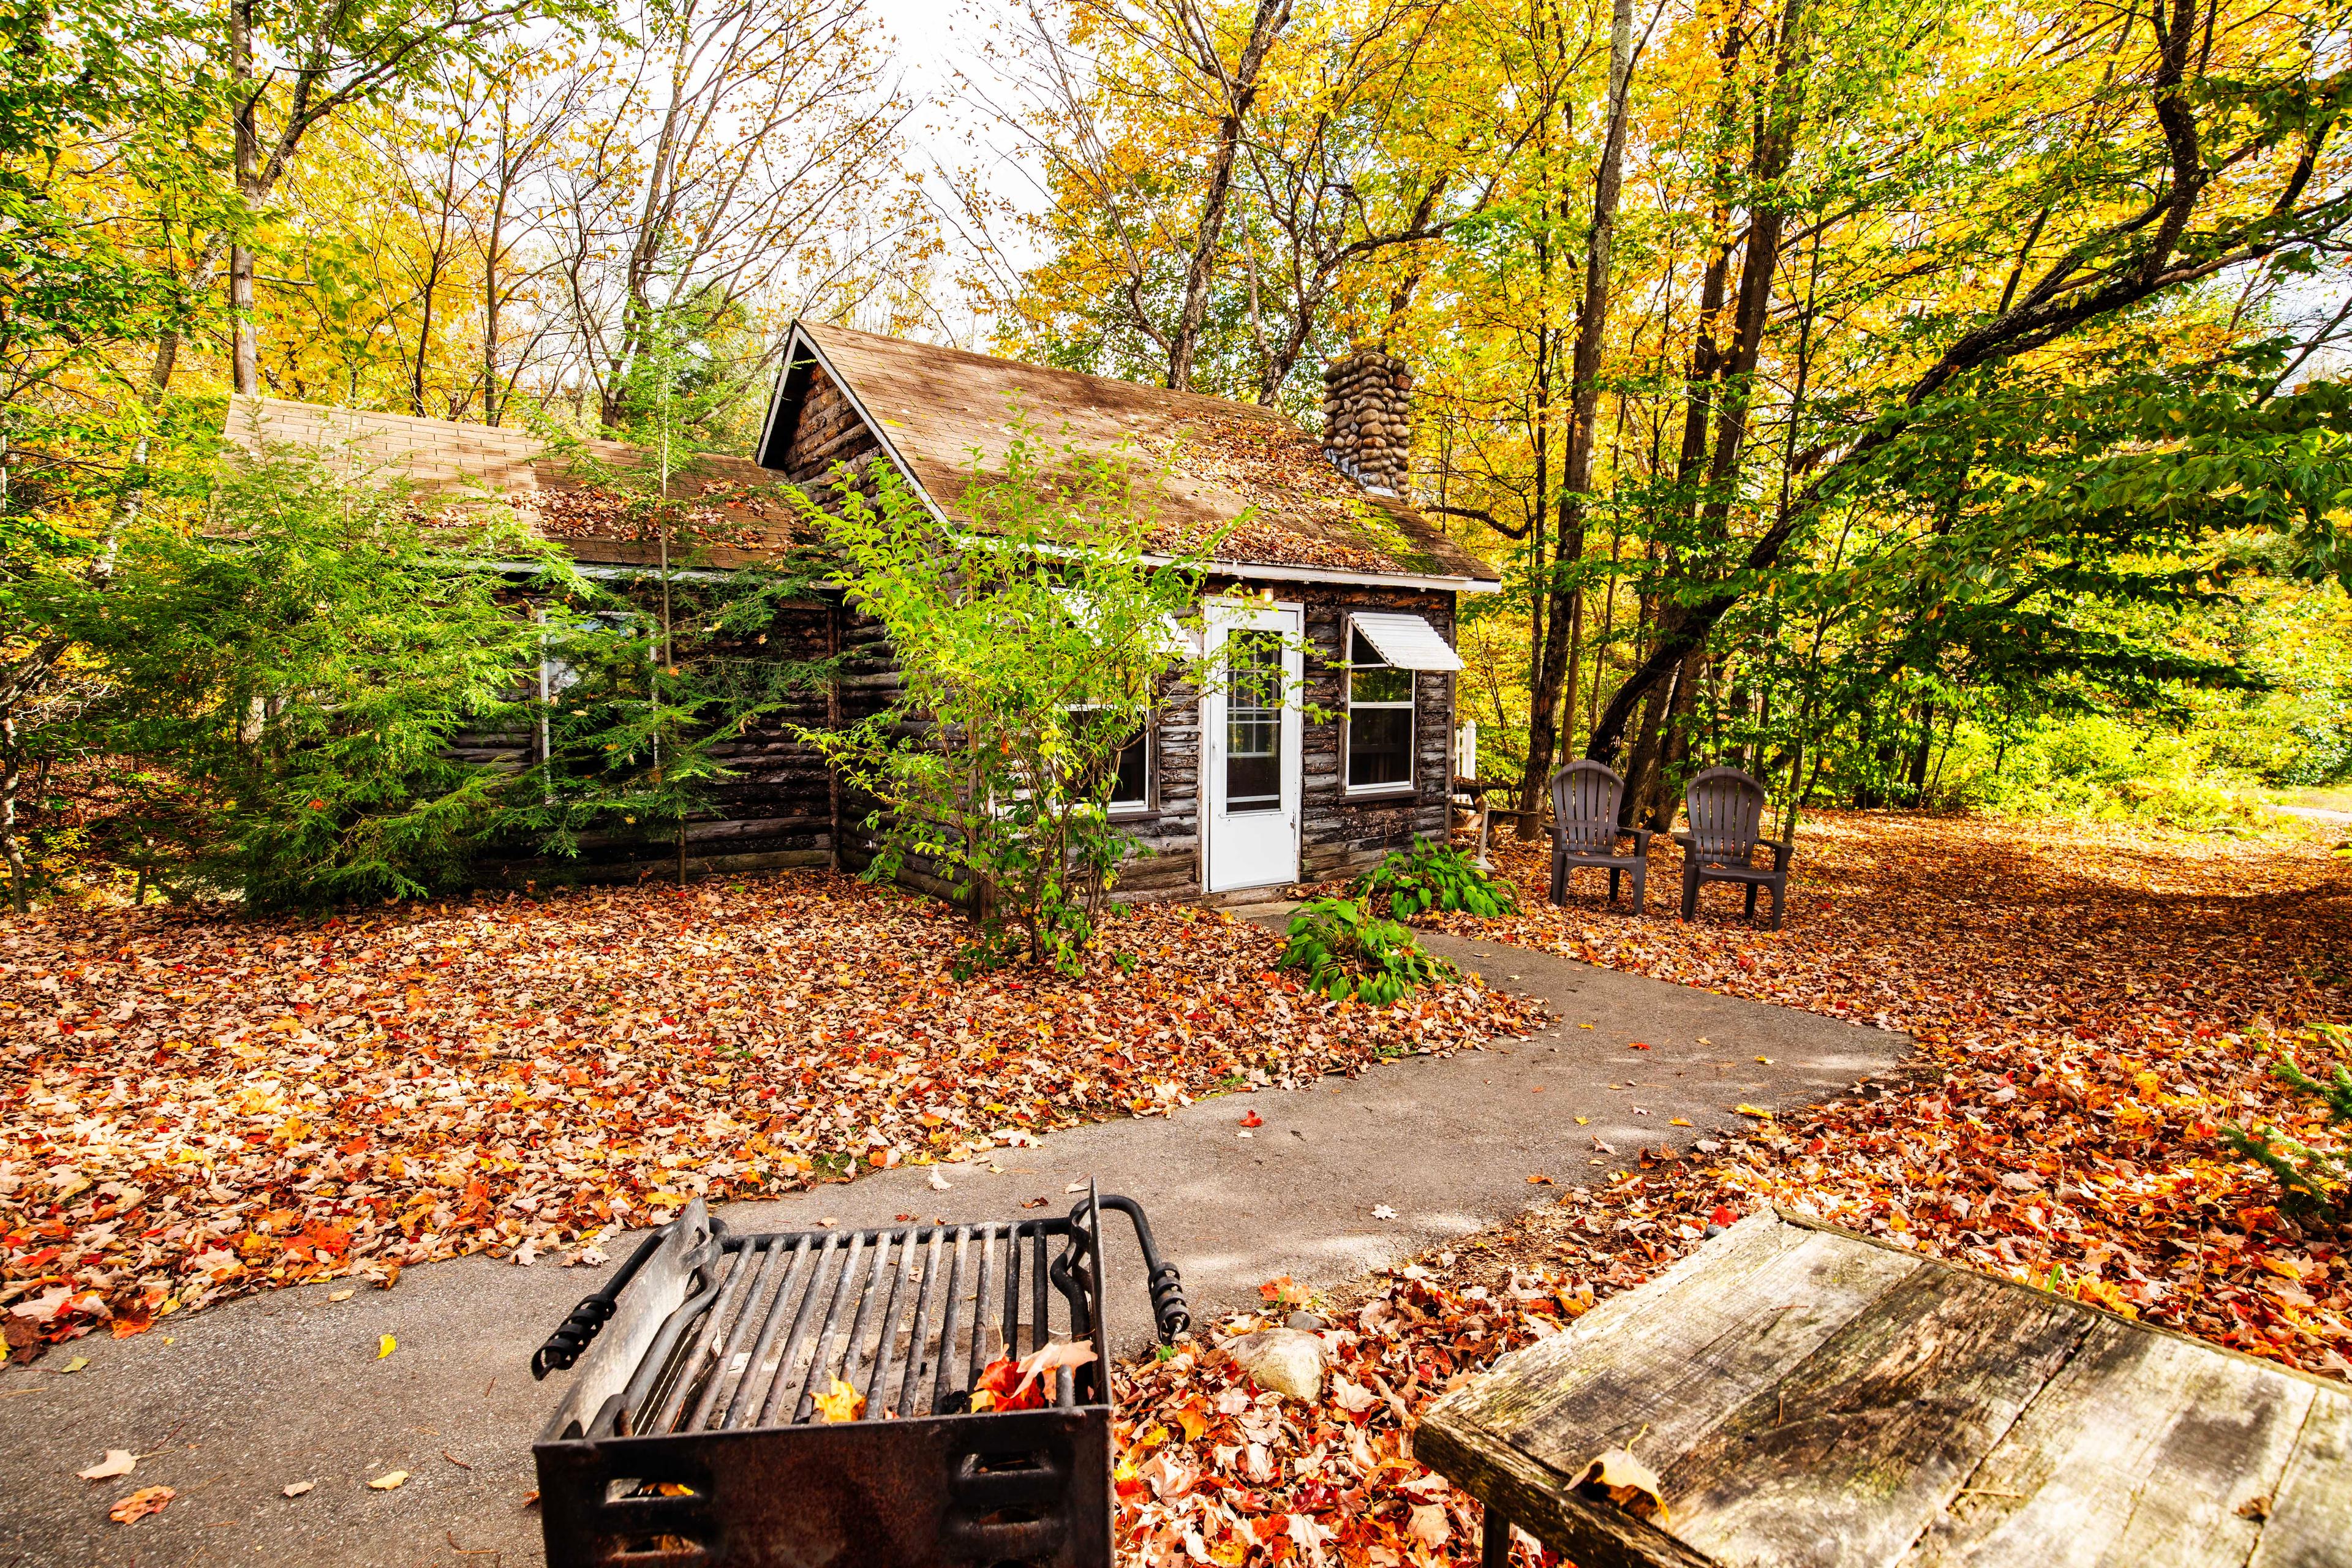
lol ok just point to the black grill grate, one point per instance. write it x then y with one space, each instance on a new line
694 1433
907 1319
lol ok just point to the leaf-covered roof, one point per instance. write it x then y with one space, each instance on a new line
941 411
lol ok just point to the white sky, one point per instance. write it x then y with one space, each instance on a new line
936 40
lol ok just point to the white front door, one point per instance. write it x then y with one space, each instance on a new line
1249 754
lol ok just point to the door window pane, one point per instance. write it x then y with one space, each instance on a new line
1253 722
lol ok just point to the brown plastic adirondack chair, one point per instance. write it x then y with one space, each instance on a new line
1584 831
1726 808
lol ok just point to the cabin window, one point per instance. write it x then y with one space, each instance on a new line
1130 789
1380 720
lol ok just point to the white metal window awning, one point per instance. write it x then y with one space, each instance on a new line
1408 642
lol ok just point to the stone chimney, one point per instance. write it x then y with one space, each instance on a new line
1368 418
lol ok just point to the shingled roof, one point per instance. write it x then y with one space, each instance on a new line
939 410
736 517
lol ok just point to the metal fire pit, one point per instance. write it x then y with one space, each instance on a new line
691 1434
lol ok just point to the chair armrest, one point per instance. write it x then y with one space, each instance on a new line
1641 841
1683 839
1781 852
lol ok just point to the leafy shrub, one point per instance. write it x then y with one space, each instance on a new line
1026 665
1432 875
1346 951
306 669
2313 1183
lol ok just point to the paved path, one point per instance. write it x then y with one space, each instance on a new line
232 1405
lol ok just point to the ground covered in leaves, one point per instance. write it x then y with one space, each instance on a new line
2091 1006
194 1106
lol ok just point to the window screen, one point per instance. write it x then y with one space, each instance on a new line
1380 719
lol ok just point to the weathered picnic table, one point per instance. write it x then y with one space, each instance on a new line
1806 1395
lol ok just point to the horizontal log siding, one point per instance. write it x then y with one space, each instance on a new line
776 810
1339 835
827 432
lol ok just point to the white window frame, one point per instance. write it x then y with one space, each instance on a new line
1412 706
1151 801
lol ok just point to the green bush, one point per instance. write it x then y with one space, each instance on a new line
306 667
1347 952
1026 665
1432 875
2314 1184
2095 765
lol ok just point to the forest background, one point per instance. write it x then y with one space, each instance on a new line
1912 402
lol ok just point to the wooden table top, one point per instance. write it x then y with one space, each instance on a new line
1806 1395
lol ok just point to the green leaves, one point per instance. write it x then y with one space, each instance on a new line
2314 1180
1428 876
307 671
1031 642
1345 952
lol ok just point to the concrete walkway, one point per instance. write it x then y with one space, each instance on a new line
233 1404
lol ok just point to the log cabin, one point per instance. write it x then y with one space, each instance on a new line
1318 542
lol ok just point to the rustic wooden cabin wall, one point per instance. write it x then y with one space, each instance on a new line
1339 835
778 811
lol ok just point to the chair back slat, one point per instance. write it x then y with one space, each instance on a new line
1584 799
1726 808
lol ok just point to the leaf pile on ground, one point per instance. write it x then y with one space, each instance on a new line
2091 1006
1212 1468
192 1108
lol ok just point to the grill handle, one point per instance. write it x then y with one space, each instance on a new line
588 1318
1169 1311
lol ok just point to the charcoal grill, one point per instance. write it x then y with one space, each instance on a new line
692 1432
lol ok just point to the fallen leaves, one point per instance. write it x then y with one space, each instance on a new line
385 1346
1214 1468
118 1462
2090 1004
393 1482
1382 1211
1624 1480
1025 1385
2044 972
297 1489
140 1504
197 1106
840 1402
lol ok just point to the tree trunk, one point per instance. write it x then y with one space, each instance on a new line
1772 151
1555 682
1241 96
1916 783
246 370
1674 746
12 778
